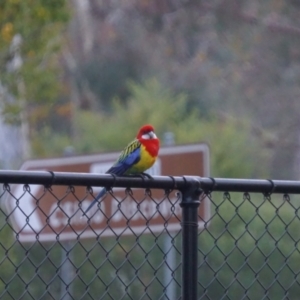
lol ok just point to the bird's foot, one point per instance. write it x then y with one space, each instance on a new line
142 175
146 175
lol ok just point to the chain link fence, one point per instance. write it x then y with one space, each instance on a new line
148 238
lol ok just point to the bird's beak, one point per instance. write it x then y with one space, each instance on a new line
149 136
152 135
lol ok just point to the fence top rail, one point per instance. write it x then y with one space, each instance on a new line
49 178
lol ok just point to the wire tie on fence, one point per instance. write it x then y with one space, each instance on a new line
286 197
267 194
226 196
195 224
214 183
71 189
26 188
109 190
52 179
246 196
174 181
6 187
167 191
128 191
89 189
148 192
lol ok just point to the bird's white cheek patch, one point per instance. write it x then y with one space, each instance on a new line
149 136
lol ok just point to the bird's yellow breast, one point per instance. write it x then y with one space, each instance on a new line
146 161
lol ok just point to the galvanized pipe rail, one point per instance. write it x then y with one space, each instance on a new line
163 182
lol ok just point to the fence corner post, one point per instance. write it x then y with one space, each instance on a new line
189 204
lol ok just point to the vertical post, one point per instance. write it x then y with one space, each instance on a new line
189 204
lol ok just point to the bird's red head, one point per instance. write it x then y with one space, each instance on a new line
149 139
145 131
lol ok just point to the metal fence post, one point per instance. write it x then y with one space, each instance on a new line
189 204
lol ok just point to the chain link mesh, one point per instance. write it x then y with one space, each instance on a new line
128 263
248 248
251 247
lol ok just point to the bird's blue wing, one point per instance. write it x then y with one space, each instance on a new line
129 156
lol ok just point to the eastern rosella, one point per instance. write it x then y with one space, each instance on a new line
137 157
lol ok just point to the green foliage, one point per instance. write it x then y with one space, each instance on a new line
149 103
40 24
249 240
233 145
47 141
39 268
221 62
7 269
108 78
235 150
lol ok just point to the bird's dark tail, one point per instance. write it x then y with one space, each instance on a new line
100 195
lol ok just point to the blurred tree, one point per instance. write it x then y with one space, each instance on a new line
240 57
29 38
233 143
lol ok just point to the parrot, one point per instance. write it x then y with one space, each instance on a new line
137 157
